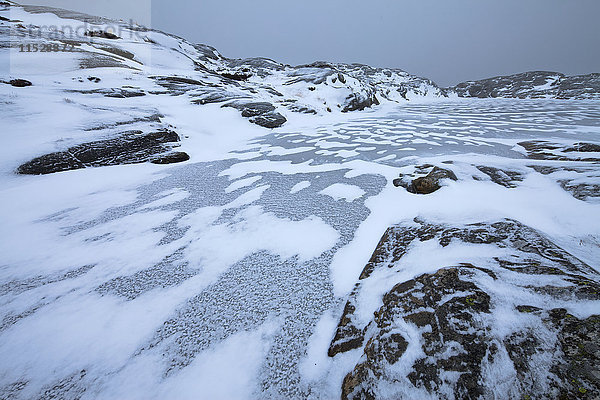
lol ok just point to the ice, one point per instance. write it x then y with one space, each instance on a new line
225 277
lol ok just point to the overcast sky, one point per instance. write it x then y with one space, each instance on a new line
448 41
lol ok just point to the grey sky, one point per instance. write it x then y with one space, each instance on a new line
446 40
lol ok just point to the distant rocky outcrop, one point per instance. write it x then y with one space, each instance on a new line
513 324
532 85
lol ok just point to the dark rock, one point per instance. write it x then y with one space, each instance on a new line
269 120
118 52
19 83
101 34
544 150
429 183
171 158
583 148
451 317
255 109
502 177
251 109
301 109
347 336
94 79
118 93
213 97
94 60
358 102
236 76
260 113
533 84
128 148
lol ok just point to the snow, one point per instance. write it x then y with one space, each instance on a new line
265 232
339 191
299 186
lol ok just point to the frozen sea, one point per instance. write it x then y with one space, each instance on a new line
226 275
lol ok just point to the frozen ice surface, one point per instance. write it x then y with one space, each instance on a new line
136 281
224 277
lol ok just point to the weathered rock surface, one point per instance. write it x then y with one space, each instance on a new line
19 82
543 150
127 148
426 184
568 167
533 84
511 321
101 34
260 113
171 158
502 177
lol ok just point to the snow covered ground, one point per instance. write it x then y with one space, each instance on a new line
224 277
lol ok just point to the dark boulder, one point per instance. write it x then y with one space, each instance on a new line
128 148
426 184
269 120
502 177
260 113
101 34
171 158
358 102
20 83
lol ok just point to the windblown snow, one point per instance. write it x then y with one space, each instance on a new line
224 276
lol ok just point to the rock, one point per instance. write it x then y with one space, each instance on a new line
502 177
251 109
118 93
118 52
101 34
260 113
358 102
171 158
269 120
448 319
236 76
533 84
431 182
19 83
128 148
583 148
544 150
579 87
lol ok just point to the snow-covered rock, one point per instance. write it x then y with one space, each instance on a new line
492 326
533 85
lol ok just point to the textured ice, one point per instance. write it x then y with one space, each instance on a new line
224 277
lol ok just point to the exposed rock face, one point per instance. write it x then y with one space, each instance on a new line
260 113
101 34
455 333
359 102
171 158
502 177
533 84
119 93
580 180
426 184
19 83
127 148
543 150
